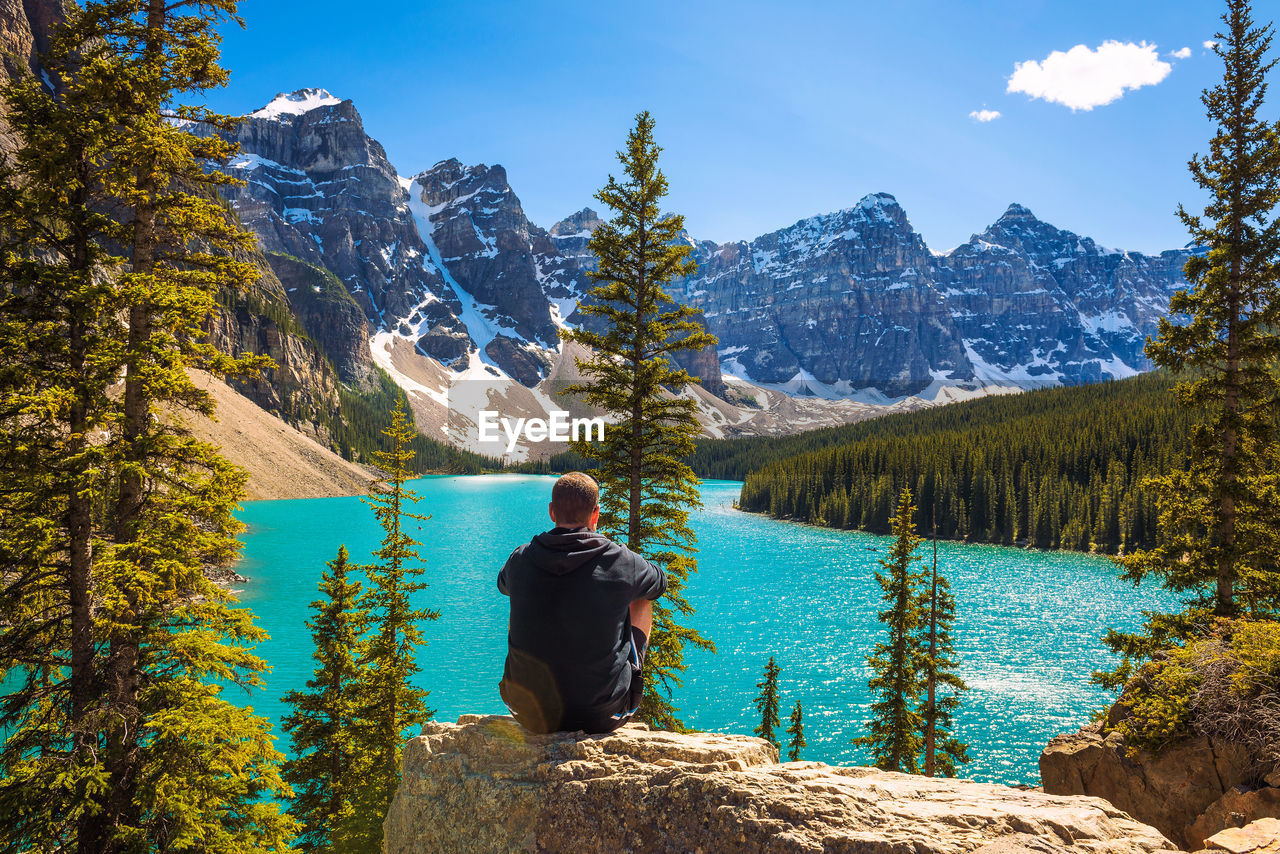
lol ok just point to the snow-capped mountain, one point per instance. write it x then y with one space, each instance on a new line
854 303
319 188
1036 305
512 280
452 277
835 303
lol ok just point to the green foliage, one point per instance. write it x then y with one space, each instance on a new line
1221 684
118 738
942 750
1219 517
647 489
328 769
767 705
355 428
386 704
1059 468
795 729
894 736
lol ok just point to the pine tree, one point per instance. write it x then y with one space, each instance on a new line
796 730
328 767
58 357
1219 531
387 705
634 331
895 730
942 751
150 641
767 705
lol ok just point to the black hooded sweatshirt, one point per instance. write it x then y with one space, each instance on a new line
570 631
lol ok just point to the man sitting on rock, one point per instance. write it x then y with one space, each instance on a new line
581 612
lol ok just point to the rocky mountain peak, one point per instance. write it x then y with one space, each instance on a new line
580 224
879 202
450 181
1020 230
1017 212
286 105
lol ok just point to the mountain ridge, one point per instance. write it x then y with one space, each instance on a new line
850 305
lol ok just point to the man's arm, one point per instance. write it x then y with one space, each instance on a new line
642 616
502 577
650 583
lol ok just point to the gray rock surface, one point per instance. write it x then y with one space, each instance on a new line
855 300
485 785
319 188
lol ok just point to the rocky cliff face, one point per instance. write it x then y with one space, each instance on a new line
329 313
509 273
319 188
843 300
1038 305
485 785
1189 791
302 387
855 300
25 27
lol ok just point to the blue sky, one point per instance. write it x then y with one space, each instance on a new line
771 112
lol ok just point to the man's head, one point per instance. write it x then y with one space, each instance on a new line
575 501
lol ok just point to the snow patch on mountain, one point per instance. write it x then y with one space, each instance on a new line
295 104
481 328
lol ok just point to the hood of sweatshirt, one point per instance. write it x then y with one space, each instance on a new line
562 550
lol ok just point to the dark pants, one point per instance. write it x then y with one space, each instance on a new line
599 720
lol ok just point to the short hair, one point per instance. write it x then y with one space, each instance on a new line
574 496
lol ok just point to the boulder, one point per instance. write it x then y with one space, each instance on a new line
486 785
1169 790
1240 806
1258 837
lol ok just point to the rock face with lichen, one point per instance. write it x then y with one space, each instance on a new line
485 785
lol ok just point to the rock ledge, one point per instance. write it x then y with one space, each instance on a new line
485 785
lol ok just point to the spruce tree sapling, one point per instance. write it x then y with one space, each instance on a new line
795 729
894 736
942 751
387 703
329 766
767 704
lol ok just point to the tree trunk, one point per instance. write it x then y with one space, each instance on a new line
930 730
637 405
124 650
80 528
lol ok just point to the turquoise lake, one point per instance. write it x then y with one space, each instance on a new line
1027 632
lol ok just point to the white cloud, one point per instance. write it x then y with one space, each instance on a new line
1084 78
1181 53
1210 44
984 115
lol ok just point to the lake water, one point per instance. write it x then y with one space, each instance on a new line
1027 632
